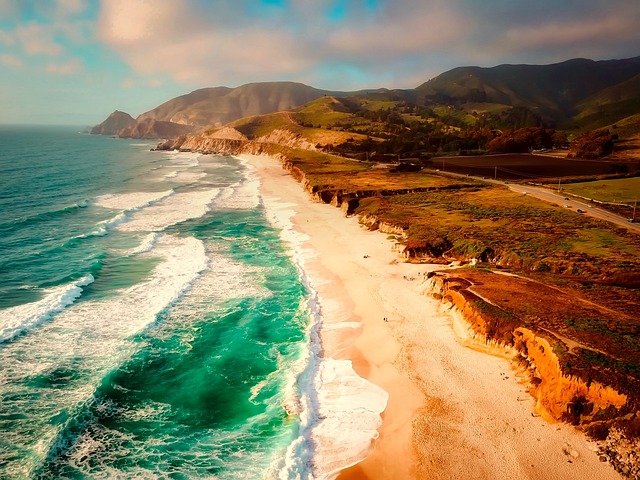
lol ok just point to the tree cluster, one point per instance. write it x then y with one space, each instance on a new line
592 144
523 140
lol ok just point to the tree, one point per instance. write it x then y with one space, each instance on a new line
522 140
592 144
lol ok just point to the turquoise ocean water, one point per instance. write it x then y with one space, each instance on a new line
152 324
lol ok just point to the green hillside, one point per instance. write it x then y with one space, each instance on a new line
555 92
578 94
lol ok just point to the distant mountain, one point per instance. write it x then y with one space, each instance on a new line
612 104
216 106
113 124
556 93
578 93
219 105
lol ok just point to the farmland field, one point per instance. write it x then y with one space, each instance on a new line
620 190
527 166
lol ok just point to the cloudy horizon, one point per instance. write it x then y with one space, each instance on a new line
66 61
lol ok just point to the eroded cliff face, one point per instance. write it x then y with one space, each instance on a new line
229 141
559 396
284 137
605 413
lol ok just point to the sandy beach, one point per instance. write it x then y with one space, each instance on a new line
452 412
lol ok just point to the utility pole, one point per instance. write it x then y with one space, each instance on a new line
633 217
443 164
495 173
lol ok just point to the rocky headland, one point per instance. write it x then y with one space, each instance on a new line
113 124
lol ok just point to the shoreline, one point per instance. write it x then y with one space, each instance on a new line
452 412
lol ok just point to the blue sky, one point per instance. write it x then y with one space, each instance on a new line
75 61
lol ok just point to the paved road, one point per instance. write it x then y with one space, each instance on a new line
588 209
559 199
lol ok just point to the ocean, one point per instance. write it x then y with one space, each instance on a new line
152 322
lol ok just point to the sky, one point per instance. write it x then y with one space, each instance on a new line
75 61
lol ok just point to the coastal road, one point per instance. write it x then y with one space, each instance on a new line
578 206
550 196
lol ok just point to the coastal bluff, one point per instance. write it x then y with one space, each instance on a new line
603 406
560 393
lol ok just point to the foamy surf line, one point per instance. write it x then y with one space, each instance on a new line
339 410
15 320
244 195
101 331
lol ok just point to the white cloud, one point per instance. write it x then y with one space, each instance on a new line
9 8
70 7
211 43
580 35
7 38
164 37
71 67
200 45
11 60
38 39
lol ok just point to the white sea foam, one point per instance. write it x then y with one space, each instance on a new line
89 338
240 196
113 221
349 408
104 226
134 308
339 411
148 242
223 279
244 195
17 319
184 158
172 209
131 201
187 177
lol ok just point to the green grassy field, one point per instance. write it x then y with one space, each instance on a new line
458 217
621 190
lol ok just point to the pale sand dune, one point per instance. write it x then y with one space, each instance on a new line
452 413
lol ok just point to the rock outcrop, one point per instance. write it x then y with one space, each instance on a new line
113 124
229 141
213 107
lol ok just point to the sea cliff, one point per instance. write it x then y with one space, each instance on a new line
561 393
600 410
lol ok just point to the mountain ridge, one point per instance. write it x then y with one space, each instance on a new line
564 95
